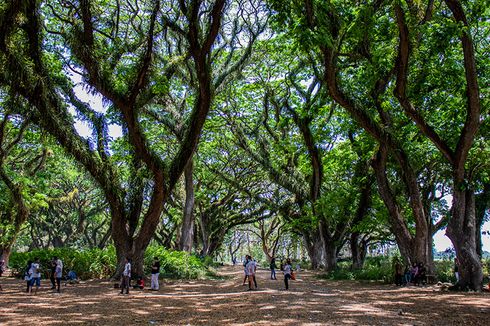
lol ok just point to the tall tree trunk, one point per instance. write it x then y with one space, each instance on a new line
330 255
461 231
413 248
314 247
5 254
187 229
358 247
16 215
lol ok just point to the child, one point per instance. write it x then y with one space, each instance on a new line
71 278
140 283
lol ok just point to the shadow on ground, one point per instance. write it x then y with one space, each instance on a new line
226 302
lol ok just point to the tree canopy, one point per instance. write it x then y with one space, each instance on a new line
338 123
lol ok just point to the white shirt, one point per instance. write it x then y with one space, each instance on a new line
250 268
35 270
59 268
287 269
127 270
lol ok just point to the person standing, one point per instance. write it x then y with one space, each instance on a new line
28 275
273 268
36 275
398 273
287 268
245 262
52 272
126 276
58 273
456 269
155 272
250 273
255 271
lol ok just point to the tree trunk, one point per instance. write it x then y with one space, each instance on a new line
314 247
461 231
358 248
187 229
413 248
330 255
5 254
430 253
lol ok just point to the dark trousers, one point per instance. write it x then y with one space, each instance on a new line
125 284
58 284
286 280
273 273
52 279
398 279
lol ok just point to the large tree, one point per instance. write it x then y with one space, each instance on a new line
378 38
129 53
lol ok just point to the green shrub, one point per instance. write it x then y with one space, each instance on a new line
444 271
90 263
375 269
101 263
175 264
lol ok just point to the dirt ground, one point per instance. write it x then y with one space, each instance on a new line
310 301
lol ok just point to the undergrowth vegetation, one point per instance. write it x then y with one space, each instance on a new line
381 269
101 263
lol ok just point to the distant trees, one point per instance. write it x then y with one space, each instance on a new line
282 115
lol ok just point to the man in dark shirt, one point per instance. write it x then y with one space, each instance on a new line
155 272
53 272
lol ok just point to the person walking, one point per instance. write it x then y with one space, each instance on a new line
58 274
126 276
287 269
36 275
273 268
52 272
155 272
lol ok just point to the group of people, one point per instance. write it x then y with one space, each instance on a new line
140 283
415 274
250 269
33 271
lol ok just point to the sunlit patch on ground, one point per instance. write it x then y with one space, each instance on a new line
309 302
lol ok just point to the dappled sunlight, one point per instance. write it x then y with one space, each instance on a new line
227 302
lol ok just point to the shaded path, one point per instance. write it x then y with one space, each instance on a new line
226 302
